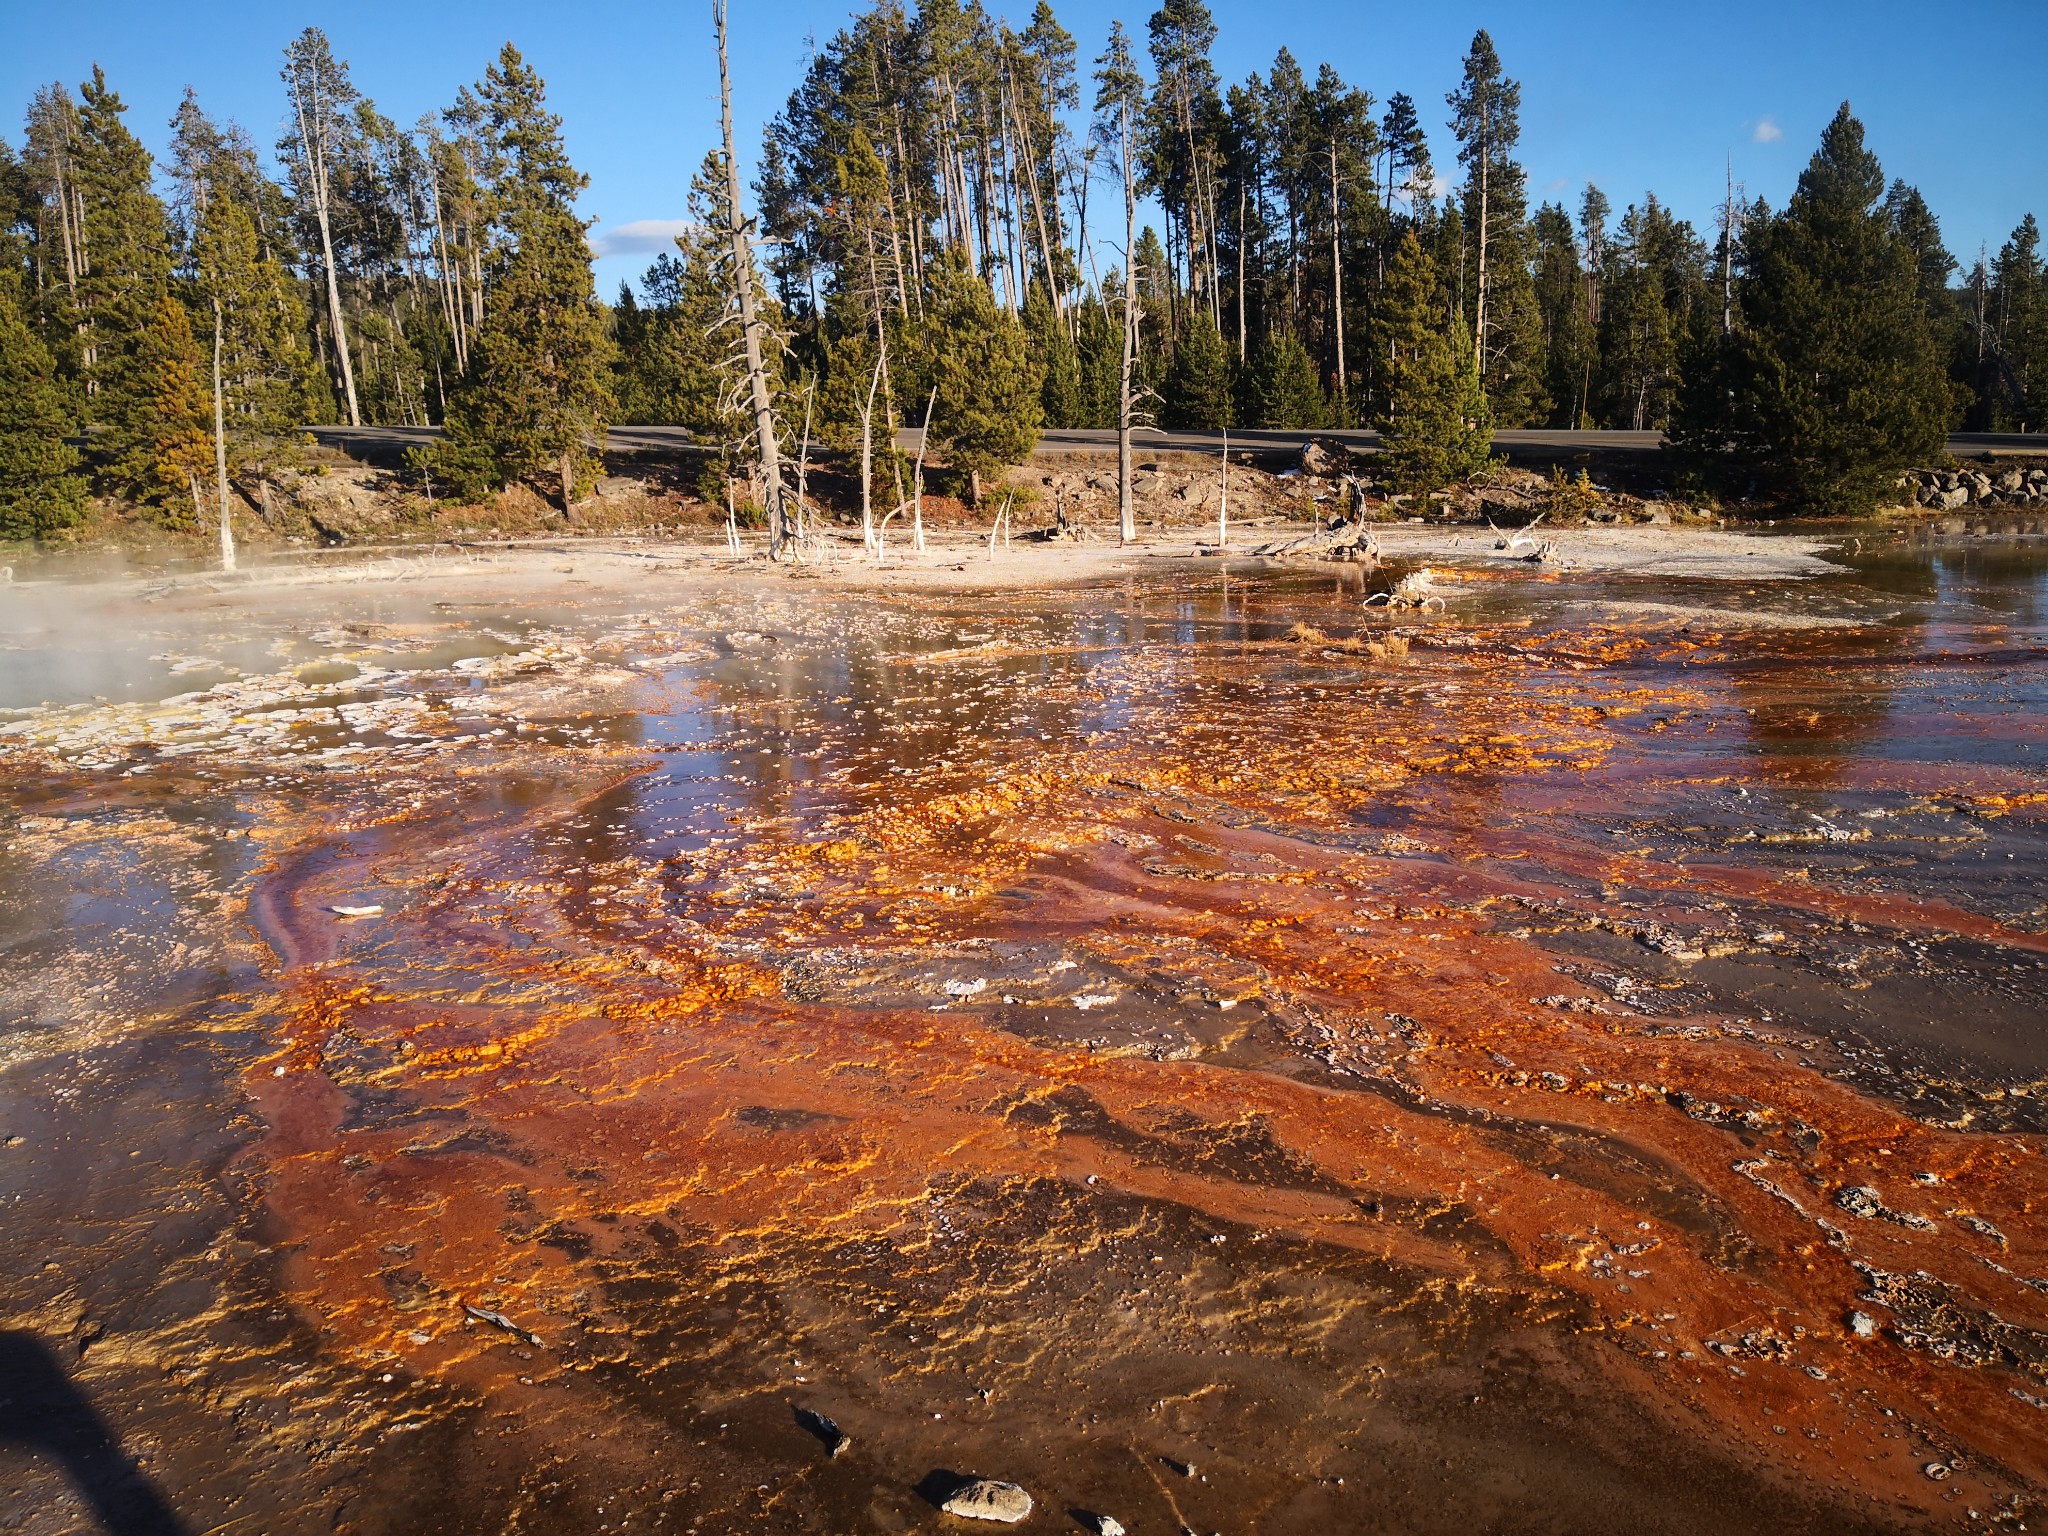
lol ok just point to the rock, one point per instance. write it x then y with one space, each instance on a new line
835 1440
1862 1325
1315 459
1938 1471
984 1498
2010 481
1102 1525
1951 500
1860 1200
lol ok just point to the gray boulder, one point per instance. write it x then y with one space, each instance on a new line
984 1498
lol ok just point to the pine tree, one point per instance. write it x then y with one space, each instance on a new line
979 360
1436 429
1198 383
1639 345
17 215
321 147
537 396
1101 349
40 493
2019 311
1281 388
666 370
267 370
1831 384
1061 398
1568 336
135 354
269 380
154 439
1505 323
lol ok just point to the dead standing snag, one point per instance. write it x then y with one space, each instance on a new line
767 452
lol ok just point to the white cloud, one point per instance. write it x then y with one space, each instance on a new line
1767 132
640 237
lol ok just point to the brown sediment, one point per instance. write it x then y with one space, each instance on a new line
1215 1082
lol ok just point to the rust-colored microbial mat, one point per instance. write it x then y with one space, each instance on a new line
568 1065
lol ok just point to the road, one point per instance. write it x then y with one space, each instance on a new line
1525 444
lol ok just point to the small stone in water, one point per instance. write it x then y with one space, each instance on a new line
1863 1325
984 1498
1938 1471
1104 1525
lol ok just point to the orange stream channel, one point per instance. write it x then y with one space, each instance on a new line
1208 1078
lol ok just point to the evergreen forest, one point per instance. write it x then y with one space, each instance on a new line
988 228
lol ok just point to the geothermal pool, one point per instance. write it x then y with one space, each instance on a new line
1588 1075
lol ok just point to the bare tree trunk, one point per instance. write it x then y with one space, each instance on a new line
803 467
1077 183
750 319
1223 502
1728 256
451 280
569 484
1337 274
1240 271
1052 279
1479 325
924 437
315 149
867 462
1126 513
903 298
220 451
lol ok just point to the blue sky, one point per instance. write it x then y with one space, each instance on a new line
1633 97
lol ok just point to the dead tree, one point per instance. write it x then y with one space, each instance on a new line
220 449
867 462
751 325
1337 272
1126 513
801 531
1223 501
917 481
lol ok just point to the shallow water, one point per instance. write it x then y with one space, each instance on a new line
1068 1037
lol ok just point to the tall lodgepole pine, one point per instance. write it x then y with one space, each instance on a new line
319 92
763 402
1486 110
1119 97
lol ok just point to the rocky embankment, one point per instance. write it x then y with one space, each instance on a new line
1947 490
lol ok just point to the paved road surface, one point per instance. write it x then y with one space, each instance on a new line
1525 444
